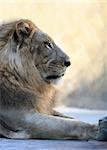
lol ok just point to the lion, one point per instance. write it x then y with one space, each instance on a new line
31 64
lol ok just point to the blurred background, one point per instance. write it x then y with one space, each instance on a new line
80 29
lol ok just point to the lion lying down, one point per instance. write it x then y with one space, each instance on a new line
30 65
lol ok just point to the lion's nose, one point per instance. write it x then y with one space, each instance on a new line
67 63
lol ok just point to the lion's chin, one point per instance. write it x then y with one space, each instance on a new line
54 79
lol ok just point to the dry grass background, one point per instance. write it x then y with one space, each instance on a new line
80 28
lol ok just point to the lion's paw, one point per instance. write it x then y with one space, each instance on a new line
102 130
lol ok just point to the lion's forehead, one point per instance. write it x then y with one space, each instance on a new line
42 36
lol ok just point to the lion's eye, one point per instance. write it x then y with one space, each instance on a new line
48 45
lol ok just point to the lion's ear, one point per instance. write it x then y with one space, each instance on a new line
22 30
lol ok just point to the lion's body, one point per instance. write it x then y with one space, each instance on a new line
30 63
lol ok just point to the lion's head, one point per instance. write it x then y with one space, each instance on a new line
28 49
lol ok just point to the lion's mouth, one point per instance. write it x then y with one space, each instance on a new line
53 77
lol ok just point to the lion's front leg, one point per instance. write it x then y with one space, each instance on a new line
49 127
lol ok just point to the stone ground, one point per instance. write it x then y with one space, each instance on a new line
84 115
6 144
